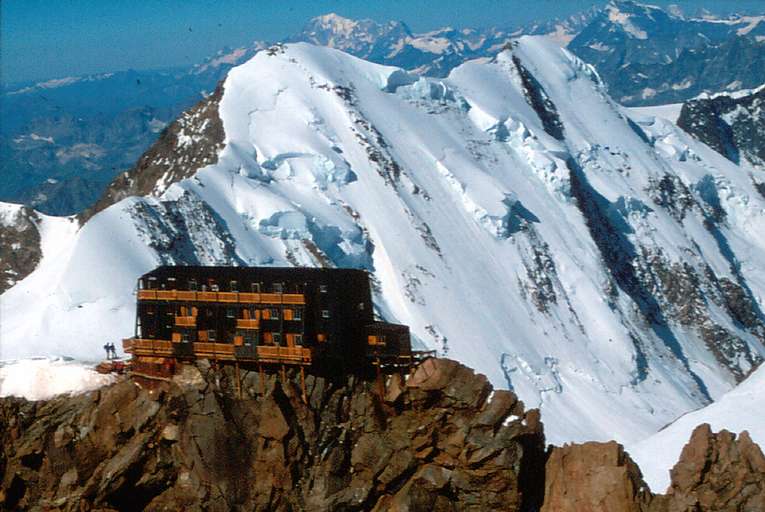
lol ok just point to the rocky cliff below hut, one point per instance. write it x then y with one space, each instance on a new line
437 439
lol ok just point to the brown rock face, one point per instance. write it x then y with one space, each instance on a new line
434 442
715 473
593 477
718 472
19 246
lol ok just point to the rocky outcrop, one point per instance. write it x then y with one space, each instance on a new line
19 243
436 439
732 125
439 439
593 476
716 473
191 142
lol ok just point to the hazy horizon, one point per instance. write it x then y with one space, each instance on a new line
46 40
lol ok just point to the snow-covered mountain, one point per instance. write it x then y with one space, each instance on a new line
651 56
432 53
512 214
61 143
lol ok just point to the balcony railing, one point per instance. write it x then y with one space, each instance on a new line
229 297
293 355
185 321
247 324
147 347
214 350
221 351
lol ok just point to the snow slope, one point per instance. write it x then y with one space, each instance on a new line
738 410
512 215
669 112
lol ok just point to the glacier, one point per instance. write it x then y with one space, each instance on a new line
600 262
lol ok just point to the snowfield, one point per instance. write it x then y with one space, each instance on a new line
604 268
738 410
44 378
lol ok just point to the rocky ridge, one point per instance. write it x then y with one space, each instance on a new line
731 124
193 140
438 439
20 240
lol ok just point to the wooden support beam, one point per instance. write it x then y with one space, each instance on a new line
284 375
238 380
380 385
302 385
262 379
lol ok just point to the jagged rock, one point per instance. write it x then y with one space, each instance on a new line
432 442
194 140
20 243
594 477
717 472
732 125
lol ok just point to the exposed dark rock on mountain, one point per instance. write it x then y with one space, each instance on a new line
20 240
193 140
439 440
732 125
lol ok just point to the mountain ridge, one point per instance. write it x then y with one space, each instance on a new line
532 204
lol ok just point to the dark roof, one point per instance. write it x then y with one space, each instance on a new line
230 272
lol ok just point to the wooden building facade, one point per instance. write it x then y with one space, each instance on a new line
266 315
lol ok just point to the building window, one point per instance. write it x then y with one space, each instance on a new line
234 286
297 314
323 288
230 313
211 335
325 313
278 287
171 283
275 314
193 286
255 287
277 338
298 339
214 287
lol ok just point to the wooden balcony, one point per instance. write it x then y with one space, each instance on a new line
146 347
186 321
226 297
214 350
285 355
220 351
242 323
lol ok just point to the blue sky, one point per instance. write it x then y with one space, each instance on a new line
56 38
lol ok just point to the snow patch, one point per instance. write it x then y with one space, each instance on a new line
42 379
